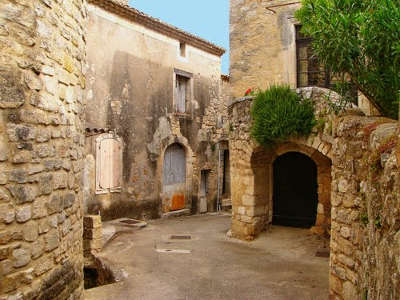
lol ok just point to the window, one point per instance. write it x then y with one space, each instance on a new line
108 164
182 49
310 72
182 95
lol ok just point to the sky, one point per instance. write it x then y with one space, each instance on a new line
208 19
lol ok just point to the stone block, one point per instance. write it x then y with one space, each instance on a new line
345 232
5 237
55 204
12 90
33 81
92 221
52 240
241 210
23 193
39 208
95 244
4 196
349 291
60 180
44 225
37 248
7 213
4 149
30 231
21 157
46 184
335 284
21 257
43 265
248 200
6 267
51 84
3 179
43 135
93 234
345 260
23 214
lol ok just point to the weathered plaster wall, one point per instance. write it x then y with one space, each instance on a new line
263 48
131 89
42 77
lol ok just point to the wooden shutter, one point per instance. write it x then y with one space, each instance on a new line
106 157
108 164
180 94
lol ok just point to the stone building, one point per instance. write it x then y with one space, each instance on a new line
345 173
155 117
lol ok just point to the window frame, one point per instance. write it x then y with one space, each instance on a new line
304 41
188 77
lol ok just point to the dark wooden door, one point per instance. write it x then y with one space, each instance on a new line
295 190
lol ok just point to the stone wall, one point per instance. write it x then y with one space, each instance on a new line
365 241
263 46
41 148
131 84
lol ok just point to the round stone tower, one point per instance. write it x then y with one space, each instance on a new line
42 61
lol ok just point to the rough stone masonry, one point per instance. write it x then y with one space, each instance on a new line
42 61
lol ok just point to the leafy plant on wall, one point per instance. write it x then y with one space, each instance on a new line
279 113
359 38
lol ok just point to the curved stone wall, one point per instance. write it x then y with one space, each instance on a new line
42 61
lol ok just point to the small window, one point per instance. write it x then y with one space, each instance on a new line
182 49
108 164
183 91
310 72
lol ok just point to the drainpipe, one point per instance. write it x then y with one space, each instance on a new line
218 179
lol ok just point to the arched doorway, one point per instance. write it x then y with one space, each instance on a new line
295 190
174 178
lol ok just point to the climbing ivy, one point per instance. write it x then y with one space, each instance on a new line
279 113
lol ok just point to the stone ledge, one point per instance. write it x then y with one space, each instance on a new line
234 101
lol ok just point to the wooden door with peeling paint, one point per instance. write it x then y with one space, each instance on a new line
174 178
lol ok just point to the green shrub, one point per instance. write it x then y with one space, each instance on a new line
279 113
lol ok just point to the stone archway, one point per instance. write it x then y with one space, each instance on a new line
174 178
252 167
175 171
253 181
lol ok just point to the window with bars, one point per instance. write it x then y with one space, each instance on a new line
310 72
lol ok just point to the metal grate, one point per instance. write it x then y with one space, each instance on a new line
130 222
180 237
